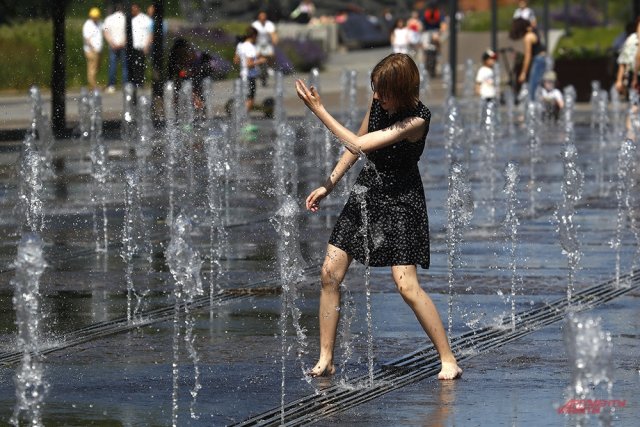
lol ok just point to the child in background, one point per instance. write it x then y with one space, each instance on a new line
247 57
525 12
552 99
414 25
400 37
485 78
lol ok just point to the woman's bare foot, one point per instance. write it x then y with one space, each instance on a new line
450 371
322 370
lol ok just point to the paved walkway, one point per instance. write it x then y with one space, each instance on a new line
15 110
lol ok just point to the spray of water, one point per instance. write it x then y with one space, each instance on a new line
145 129
533 131
347 316
459 213
589 349
594 101
143 152
454 130
239 114
209 97
511 223
425 83
291 272
572 183
132 240
99 174
360 192
41 131
509 101
128 127
469 81
84 114
31 388
285 170
218 237
603 138
30 194
569 110
488 150
279 113
171 138
626 199
446 78
616 114
185 118
185 264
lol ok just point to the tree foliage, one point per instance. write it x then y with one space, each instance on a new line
12 10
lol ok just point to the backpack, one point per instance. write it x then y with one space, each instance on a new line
432 16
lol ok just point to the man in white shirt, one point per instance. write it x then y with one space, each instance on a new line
114 30
141 37
92 45
265 42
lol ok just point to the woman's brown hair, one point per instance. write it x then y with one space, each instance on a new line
519 28
397 78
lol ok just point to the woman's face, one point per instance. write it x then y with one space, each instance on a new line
386 103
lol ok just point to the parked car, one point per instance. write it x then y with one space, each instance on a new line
358 30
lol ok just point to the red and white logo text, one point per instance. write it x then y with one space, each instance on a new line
589 406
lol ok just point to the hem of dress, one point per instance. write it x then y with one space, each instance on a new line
424 266
395 264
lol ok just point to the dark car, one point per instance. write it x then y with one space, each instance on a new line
359 30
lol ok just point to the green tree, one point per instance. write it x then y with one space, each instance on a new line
12 10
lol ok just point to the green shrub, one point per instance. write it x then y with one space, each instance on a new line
26 58
28 53
587 43
481 21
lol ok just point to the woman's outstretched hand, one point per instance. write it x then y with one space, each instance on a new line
309 96
522 78
314 198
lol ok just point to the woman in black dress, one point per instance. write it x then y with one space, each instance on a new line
392 136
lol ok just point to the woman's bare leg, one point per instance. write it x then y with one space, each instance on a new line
406 278
333 271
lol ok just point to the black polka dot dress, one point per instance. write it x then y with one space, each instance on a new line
394 222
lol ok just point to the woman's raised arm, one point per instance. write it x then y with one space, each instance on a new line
411 128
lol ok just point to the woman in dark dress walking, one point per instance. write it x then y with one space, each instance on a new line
392 136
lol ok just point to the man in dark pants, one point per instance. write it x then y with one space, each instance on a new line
114 30
141 26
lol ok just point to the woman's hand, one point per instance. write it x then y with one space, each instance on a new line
314 198
309 96
522 78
